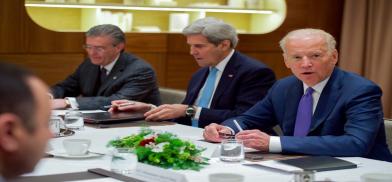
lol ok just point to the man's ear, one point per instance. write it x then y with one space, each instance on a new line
120 46
225 44
286 61
9 126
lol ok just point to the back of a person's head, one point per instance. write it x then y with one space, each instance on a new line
214 30
16 96
107 30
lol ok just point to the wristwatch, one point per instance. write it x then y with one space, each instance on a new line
190 111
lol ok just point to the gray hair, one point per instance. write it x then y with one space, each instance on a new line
329 39
107 29
214 30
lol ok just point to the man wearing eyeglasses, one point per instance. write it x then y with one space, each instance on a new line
107 74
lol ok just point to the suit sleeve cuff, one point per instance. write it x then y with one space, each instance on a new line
275 145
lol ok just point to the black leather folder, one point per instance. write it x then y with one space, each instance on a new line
319 163
111 118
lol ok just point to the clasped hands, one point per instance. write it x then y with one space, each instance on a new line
153 113
255 139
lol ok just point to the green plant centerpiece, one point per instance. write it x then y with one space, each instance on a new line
163 149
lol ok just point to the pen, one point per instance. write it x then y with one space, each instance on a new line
121 105
237 125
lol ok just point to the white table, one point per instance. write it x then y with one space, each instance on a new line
100 138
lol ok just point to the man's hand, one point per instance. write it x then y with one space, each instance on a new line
211 132
255 139
127 105
166 111
59 104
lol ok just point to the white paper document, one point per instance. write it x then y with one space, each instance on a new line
274 165
62 112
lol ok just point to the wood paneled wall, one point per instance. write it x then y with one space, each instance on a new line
54 55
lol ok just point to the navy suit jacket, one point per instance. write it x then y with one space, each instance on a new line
244 81
348 120
130 78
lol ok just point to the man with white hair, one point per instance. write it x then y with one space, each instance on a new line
322 110
227 84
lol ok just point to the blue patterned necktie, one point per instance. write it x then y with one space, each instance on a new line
207 92
304 114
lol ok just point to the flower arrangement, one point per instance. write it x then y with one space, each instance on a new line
163 149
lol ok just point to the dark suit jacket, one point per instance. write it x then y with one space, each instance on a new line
244 81
131 78
348 120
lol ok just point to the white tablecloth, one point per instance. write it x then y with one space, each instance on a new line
100 138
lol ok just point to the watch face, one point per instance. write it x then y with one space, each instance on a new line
190 111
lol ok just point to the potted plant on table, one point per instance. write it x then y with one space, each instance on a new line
162 149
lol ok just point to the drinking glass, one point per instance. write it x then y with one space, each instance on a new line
55 125
74 120
232 150
124 161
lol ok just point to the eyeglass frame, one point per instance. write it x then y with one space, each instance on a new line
96 48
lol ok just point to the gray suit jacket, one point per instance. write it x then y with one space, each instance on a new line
131 78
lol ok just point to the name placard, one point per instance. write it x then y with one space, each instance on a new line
147 172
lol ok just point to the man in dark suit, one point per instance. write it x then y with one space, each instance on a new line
321 110
108 74
24 120
228 83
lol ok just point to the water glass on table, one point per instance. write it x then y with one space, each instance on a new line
74 120
124 160
55 124
232 150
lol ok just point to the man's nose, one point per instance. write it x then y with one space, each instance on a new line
306 62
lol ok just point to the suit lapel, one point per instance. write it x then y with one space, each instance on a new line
114 74
227 77
327 101
293 96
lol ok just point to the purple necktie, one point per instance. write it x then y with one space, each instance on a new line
304 114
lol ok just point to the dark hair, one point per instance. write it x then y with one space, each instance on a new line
107 29
15 94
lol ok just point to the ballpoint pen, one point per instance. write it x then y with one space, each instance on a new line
237 125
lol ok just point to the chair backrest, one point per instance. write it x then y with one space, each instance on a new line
171 96
388 131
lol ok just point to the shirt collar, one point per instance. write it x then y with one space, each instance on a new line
110 66
318 87
221 65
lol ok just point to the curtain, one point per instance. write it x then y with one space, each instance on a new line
366 44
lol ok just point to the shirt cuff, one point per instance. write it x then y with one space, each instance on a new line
73 103
197 114
152 106
274 144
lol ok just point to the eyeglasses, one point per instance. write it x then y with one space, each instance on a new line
95 48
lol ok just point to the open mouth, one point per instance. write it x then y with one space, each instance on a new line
307 73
